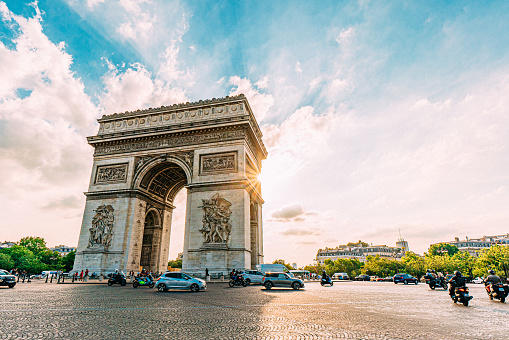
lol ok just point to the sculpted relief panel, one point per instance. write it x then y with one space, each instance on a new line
111 173
102 228
216 227
223 162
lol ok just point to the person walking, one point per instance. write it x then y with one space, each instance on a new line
86 275
81 275
207 276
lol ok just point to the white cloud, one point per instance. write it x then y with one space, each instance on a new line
298 67
136 88
259 102
345 35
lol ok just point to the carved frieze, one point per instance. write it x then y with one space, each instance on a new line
102 228
219 162
111 173
216 226
169 141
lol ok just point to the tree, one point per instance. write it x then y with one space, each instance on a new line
177 263
6 261
414 264
36 245
442 249
68 261
350 266
496 258
279 261
357 244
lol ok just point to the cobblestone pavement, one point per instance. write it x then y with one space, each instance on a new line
352 310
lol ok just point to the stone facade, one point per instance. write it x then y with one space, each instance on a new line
142 159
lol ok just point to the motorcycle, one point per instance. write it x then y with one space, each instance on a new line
143 281
436 282
326 281
497 291
461 294
238 282
117 278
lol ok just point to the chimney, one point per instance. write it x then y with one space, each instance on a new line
457 239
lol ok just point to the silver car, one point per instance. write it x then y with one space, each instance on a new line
180 280
282 280
253 276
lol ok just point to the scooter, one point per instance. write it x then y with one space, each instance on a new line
461 294
326 281
117 278
143 281
436 282
497 291
238 282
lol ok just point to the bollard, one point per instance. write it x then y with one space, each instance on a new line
46 278
63 278
73 278
51 281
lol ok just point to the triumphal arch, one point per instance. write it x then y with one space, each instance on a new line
143 158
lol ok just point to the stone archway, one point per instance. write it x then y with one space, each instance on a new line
142 159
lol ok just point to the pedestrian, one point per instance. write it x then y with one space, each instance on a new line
207 276
86 275
81 275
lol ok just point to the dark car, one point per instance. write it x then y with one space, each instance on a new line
362 277
6 279
405 278
280 279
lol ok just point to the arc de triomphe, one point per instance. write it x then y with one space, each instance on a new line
143 158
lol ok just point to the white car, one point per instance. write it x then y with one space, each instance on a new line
253 276
478 280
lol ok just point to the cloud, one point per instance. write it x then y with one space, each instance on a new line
259 102
345 35
291 213
136 88
297 232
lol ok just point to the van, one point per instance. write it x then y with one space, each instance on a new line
340 276
264 268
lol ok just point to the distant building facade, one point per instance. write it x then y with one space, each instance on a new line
6 244
360 252
474 245
63 250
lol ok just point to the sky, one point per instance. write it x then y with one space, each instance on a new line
379 117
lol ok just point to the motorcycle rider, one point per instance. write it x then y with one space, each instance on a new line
456 281
492 278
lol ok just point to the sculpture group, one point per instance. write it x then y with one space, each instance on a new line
216 219
102 227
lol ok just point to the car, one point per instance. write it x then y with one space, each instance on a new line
7 279
362 277
253 276
340 276
373 278
380 279
388 279
405 278
280 279
179 280
478 280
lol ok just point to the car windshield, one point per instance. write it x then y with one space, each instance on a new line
3 272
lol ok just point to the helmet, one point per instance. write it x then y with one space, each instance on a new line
457 273
427 270
492 272
432 270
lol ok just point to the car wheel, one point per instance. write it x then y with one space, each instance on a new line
162 288
151 285
195 288
331 283
405 282
135 285
268 285
110 283
248 282
416 282
296 285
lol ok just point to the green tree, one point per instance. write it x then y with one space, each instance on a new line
357 244
68 261
177 263
279 261
6 261
52 259
496 258
414 264
442 249
36 245
350 266
316 268
31 264
17 252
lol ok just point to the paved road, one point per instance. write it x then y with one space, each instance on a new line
353 310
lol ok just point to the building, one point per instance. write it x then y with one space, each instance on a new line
63 250
359 253
6 244
474 245
402 244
